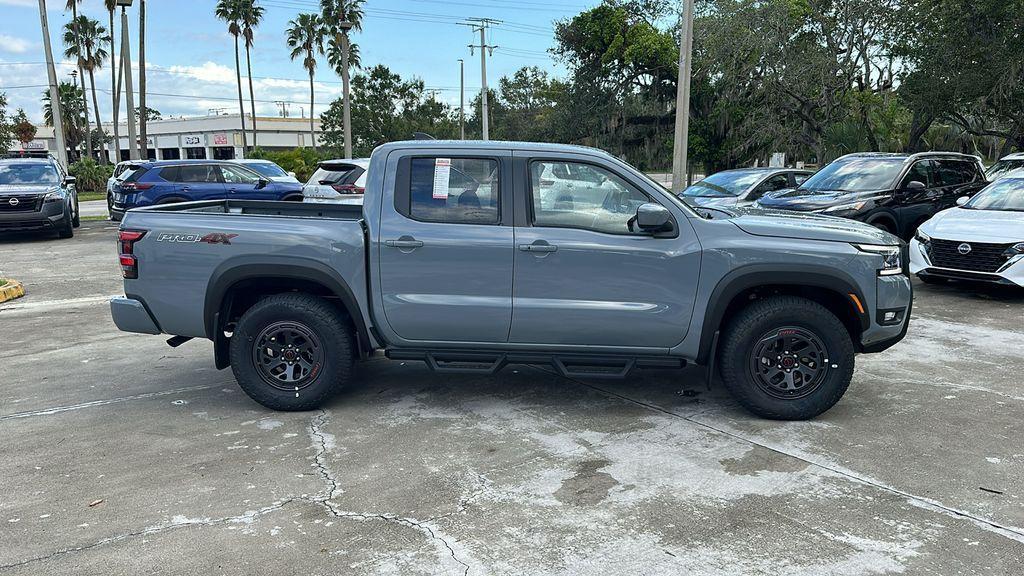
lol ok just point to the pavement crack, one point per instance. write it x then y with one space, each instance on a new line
175 523
94 403
319 438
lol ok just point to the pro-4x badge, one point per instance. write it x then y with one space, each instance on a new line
211 238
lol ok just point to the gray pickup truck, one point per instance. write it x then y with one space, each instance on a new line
473 255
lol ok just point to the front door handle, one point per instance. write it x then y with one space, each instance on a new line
403 242
538 248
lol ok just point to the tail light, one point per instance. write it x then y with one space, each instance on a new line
126 240
347 188
136 185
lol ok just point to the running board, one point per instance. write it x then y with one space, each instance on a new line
568 365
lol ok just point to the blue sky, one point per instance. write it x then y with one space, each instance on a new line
190 53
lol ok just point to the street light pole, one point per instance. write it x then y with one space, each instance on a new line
682 128
126 64
346 103
462 99
483 80
55 111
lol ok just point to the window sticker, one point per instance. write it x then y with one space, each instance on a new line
442 174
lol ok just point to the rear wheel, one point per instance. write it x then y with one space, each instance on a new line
292 352
786 358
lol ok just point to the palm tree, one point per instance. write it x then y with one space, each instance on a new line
230 11
306 39
71 112
252 15
339 17
90 51
73 6
111 5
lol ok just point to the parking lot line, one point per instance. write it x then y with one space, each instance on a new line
54 304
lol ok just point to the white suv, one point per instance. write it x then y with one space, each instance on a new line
337 182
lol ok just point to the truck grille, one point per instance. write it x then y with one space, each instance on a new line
25 203
982 257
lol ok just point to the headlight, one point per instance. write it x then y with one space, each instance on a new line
57 196
891 261
1015 249
922 237
849 207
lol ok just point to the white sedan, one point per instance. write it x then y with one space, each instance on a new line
981 239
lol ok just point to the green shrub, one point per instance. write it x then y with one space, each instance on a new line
90 176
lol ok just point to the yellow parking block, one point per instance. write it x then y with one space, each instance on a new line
11 290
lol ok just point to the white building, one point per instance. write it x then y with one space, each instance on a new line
216 137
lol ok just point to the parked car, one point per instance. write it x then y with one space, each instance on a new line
337 181
471 275
120 172
742 186
171 181
37 194
981 239
269 169
1004 166
894 192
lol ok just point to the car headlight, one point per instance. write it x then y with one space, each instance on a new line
922 237
892 263
848 207
56 196
1015 249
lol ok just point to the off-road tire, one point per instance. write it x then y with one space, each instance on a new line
335 369
66 228
747 327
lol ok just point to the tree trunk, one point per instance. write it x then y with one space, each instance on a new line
241 107
312 132
96 108
920 122
252 95
85 101
143 114
114 69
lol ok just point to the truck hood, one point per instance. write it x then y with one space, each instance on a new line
786 224
810 200
9 189
967 225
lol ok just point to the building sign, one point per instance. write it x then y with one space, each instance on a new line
33 145
220 139
192 140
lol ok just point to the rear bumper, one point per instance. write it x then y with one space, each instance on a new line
131 315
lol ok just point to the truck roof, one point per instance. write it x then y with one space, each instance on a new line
492 145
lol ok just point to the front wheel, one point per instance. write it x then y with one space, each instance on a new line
292 352
786 358
66 227
76 220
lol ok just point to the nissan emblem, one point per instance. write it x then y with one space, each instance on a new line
964 248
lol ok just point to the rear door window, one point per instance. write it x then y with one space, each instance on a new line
198 173
454 190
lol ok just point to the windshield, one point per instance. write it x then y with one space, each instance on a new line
1006 194
267 169
729 183
34 173
1001 168
855 175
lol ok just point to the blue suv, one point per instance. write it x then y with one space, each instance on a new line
169 181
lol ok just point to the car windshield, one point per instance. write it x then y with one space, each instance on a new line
729 183
267 169
28 173
855 175
1006 194
1001 168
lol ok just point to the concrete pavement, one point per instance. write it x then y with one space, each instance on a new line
123 455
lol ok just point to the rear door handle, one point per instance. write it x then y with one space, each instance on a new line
403 243
538 248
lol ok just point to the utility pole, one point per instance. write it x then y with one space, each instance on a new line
481 25
462 99
682 131
55 111
126 64
346 100
143 113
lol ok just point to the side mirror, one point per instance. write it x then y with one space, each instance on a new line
962 200
70 180
262 183
915 185
653 218
292 174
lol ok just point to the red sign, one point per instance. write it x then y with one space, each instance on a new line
220 139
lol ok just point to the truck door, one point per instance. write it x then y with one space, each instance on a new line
583 278
446 250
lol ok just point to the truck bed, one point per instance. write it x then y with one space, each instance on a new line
262 208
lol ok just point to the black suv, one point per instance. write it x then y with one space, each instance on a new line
894 192
37 194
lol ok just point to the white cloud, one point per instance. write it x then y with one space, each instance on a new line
21 3
14 44
207 72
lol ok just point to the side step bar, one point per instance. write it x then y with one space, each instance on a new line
568 365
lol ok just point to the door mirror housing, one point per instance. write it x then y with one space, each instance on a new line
915 185
262 183
962 200
70 180
653 218
292 174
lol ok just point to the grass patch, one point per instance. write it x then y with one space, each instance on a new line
3 282
87 196
93 218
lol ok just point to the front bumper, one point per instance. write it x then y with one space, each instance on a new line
131 315
893 294
48 217
1012 274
